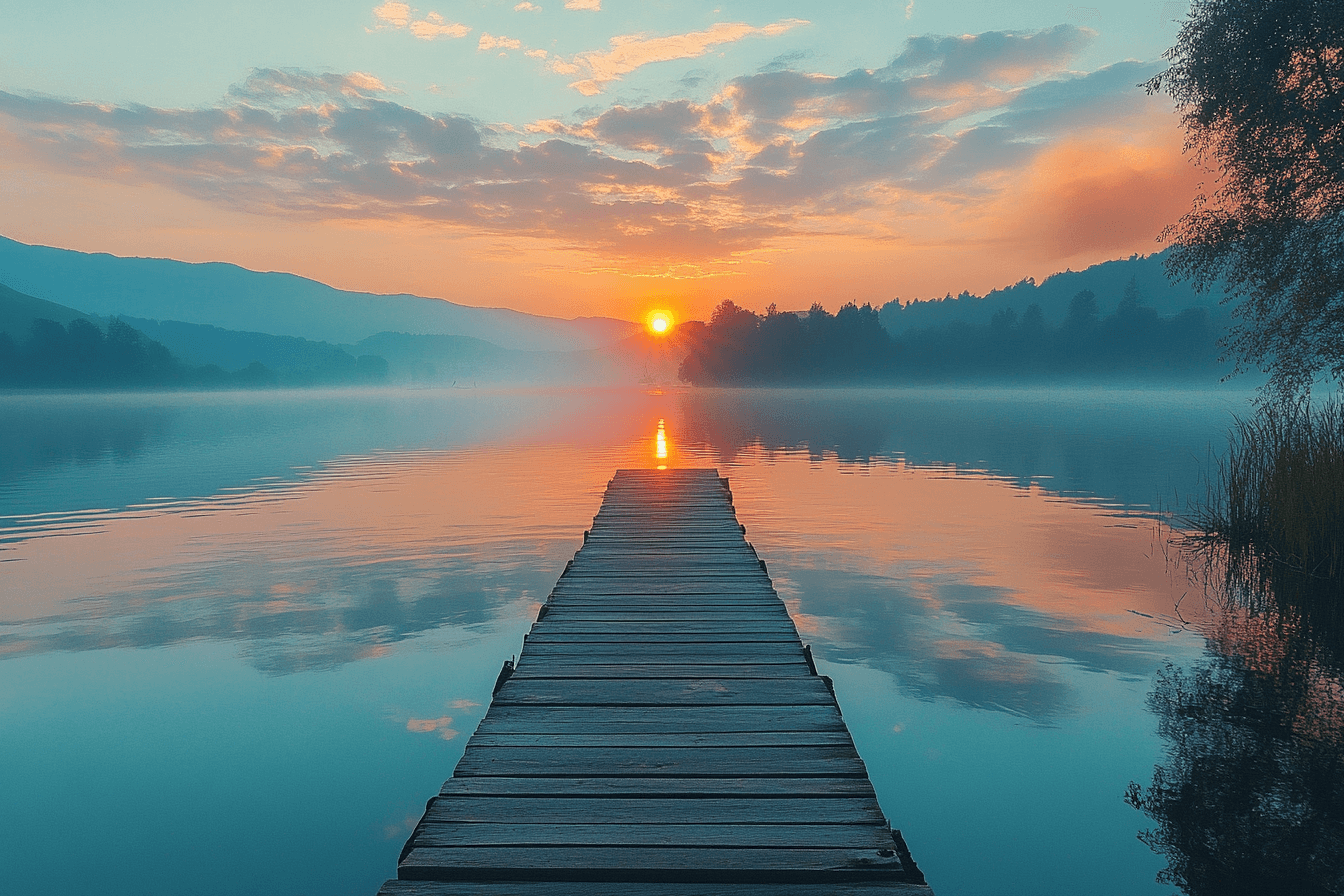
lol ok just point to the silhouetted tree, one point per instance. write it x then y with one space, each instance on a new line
1260 85
739 347
1083 313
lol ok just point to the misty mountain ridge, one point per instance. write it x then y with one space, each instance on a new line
202 355
18 311
1107 281
234 298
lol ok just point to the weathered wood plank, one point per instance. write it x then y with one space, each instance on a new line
672 626
682 762
533 719
637 865
659 810
638 600
771 652
616 586
535 669
655 636
659 692
648 888
666 739
739 835
658 787
563 612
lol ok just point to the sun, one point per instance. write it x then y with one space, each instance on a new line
659 322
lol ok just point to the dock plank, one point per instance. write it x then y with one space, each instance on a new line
664 726
650 863
648 888
658 810
659 787
741 834
665 692
622 671
632 720
794 761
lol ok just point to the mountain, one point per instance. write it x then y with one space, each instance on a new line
202 344
18 311
234 298
1107 281
249 358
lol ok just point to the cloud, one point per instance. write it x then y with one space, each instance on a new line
955 138
433 26
427 726
489 42
527 7
393 13
400 16
629 52
594 5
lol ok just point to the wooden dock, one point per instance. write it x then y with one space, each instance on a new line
664 732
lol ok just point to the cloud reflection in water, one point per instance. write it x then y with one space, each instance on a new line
309 575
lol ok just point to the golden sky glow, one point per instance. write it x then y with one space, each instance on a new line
695 158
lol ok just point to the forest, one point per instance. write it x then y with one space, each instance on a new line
82 355
740 347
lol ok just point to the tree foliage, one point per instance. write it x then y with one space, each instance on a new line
1260 86
740 347
81 356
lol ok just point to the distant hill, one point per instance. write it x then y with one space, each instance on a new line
234 298
640 359
46 345
202 344
203 355
18 311
1106 280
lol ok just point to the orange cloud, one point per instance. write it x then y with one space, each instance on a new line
393 13
489 42
400 16
434 25
1094 197
632 51
967 163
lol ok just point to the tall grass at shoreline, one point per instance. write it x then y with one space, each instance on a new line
1274 518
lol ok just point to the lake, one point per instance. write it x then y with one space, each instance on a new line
245 636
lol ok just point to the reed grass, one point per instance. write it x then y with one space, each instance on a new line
1274 518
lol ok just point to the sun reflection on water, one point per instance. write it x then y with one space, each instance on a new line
660 444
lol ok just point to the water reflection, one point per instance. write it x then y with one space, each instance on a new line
1250 798
962 586
1140 447
36 438
337 566
988 634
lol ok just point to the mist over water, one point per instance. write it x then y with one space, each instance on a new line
264 624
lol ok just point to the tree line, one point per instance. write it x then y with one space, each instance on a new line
740 347
82 355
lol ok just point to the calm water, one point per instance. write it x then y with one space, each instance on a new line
244 637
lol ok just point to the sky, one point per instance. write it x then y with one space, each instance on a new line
597 157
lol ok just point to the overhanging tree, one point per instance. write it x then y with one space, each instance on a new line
1260 86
